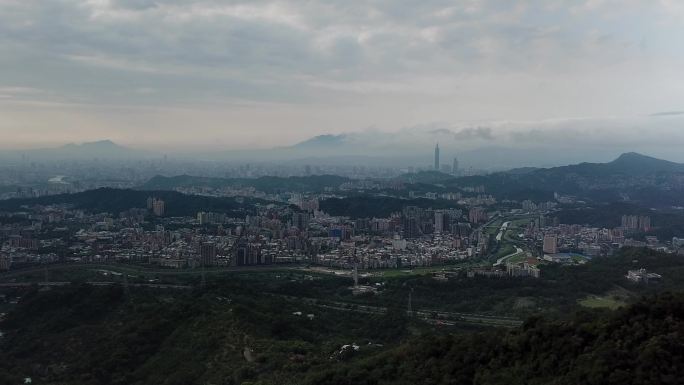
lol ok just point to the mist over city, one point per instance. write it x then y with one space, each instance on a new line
331 192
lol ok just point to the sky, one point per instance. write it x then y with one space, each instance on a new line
206 75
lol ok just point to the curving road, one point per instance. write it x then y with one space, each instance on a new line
504 258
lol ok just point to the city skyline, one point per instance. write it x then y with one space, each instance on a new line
337 192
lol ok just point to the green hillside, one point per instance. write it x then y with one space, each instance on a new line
268 184
117 200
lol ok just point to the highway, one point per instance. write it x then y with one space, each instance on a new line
432 316
132 269
503 259
504 226
53 284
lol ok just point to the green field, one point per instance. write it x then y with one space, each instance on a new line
517 258
511 236
608 302
407 272
505 250
493 228
136 274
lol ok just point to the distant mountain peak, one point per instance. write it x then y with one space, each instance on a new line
326 140
101 144
104 142
634 158
636 163
105 148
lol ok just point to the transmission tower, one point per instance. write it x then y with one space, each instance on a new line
125 283
410 305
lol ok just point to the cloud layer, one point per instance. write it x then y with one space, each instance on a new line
232 74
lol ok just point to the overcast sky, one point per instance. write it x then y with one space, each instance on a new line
202 74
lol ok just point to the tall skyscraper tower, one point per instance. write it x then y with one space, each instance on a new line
437 157
454 169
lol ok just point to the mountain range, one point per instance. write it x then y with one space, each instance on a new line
268 184
381 150
102 149
355 149
631 177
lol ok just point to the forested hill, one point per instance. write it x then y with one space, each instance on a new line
367 206
632 177
641 344
115 201
100 335
268 184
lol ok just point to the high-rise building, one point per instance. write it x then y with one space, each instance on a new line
208 253
210 217
309 204
629 221
634 222
159 208
454 168
645 223
411 221
300 220
411 227
550 244
439 221
5 262
156 205
477 215
437 157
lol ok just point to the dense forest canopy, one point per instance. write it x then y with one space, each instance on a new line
88 335
253 329
114 201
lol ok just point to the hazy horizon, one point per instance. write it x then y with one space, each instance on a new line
204 75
